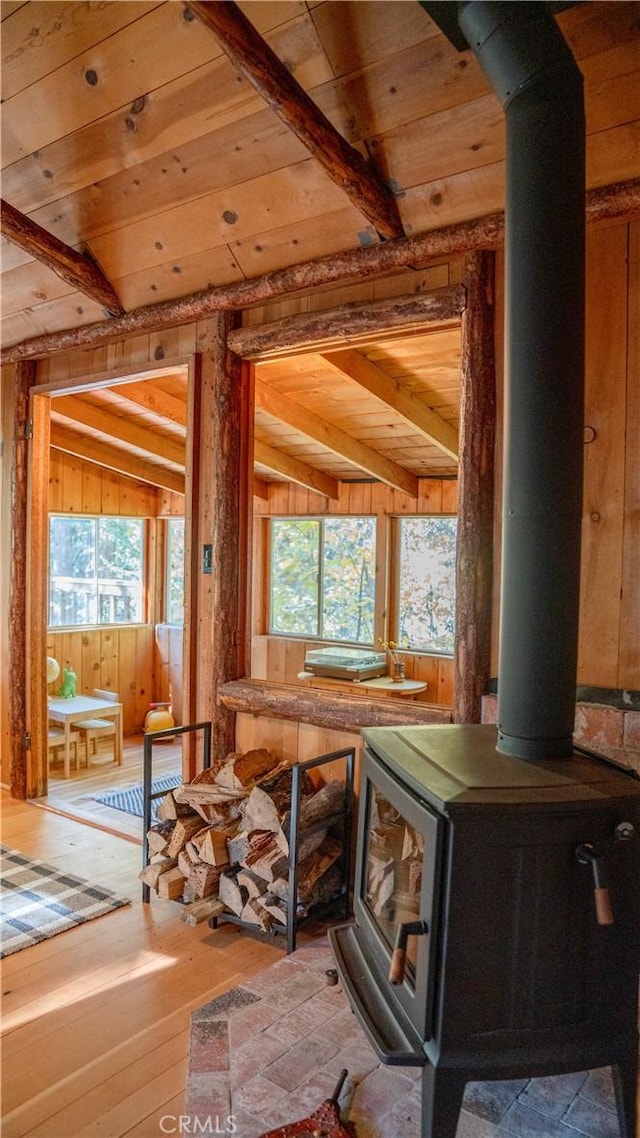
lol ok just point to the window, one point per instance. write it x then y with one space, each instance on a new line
96 570
426 583
174 578
323 578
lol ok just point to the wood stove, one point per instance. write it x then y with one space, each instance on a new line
491 872
486 943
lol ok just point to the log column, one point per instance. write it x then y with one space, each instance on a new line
23 378
474 565
222 426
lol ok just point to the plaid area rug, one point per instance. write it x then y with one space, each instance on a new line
131 799
38 901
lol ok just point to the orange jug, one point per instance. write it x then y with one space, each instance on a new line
159 717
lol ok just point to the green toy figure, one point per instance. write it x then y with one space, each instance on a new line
67 689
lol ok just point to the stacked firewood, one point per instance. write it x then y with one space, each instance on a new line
222 842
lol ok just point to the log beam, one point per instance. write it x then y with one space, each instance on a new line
348 324
334 712
262 68
474 561
616 202
78 270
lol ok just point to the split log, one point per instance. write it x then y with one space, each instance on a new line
185 861
199 911
250 881
269 860
152 872
211 843
242 770
183 831
170 809
256 914
171 884
312 868
232 895
202 882
274 906
328 800
238 848
159 836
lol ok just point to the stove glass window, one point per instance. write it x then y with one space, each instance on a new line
393 872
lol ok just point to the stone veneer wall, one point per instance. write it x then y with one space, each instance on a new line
610 731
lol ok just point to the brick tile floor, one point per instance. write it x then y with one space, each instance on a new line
269 1052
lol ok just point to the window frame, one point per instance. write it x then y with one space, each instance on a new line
143 579
166 605
395 583
320 520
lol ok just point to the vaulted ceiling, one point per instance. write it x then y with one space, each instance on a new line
153 151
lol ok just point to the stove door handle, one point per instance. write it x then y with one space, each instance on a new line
399 954
587 855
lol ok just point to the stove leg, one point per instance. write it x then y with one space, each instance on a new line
625 1081
442 1092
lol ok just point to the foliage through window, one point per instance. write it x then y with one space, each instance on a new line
427 586
174 594
323 578
96 570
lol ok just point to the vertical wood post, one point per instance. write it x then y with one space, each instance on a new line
23 378
474 563
37 593
222 523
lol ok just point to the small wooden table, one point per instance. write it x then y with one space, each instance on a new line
68 711
381 685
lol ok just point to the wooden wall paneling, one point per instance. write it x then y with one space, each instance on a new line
629 654
430 492
89 662
109 660
72 485
602 531
91 489
474 556
450 496
56 463
446 682
276 735
145 690
37 576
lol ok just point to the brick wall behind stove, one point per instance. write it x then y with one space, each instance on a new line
611 731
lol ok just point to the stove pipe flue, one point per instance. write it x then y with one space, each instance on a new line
536 78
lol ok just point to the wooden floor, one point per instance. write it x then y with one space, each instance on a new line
95 1031
75 796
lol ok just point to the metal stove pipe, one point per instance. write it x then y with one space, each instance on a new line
534 74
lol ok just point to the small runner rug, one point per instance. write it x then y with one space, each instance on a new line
131 799
38 901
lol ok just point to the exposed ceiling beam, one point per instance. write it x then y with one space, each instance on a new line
334 439
78 270
345 165
150 397
604 203
365 373
294 470
123 462
125 430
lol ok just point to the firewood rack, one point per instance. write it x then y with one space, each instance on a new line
343 817
147 778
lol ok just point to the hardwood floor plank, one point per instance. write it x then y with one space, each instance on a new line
96 1020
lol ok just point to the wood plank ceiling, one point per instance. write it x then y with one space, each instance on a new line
143 161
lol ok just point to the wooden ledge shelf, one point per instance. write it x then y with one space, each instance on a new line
332 710
382 686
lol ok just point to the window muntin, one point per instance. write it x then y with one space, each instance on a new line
426 603
96 570
323 578
174 571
